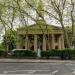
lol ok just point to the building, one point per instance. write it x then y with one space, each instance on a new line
40 36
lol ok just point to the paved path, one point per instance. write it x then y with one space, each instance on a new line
66 68
34 61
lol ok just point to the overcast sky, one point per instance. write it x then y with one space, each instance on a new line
49 21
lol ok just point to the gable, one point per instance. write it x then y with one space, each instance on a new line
40 28
40 24
50 27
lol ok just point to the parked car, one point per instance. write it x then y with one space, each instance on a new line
12 51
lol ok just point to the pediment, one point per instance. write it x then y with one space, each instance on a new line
40 24
39 28
44 27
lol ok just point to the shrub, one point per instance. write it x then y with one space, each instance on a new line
54 53
2 53
67 54
24 53
63 54
45 54
50 53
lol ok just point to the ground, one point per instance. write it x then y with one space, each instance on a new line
57 68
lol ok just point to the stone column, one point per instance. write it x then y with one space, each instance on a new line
62 41
44 42
26 42
53 41
49 41
59 42
35 43
18 43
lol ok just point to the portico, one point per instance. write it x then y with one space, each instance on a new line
37 38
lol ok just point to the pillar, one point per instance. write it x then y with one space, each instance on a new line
18 44
49 42
53 41
35 43
44 42
59 42
62 41
26 42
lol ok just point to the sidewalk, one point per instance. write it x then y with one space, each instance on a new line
34 61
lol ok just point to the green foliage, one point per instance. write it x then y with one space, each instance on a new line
9 39
63 54
67 54
24 53
45 54
69 33
1 47
2 52
50 53
40 8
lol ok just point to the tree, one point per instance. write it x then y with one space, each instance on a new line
10 41
72 11
18 11
58 7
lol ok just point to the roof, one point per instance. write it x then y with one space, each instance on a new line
39 28
40 24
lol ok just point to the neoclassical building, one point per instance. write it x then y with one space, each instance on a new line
40 36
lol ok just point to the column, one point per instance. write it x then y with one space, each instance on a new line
49 42
44 42
35 43
26 42
18 43
53 41
59 42
62 41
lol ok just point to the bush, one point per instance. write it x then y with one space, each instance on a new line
50 53
2 53
24 53
63 54
54 53
67 54
45 54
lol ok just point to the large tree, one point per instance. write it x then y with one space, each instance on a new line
18 12
9 40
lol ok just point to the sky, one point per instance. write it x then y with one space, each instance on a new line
30 22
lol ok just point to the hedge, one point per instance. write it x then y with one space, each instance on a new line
2 53
63 54
24 53
67 54
50 53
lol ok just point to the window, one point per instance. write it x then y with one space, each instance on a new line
56 47
23 47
